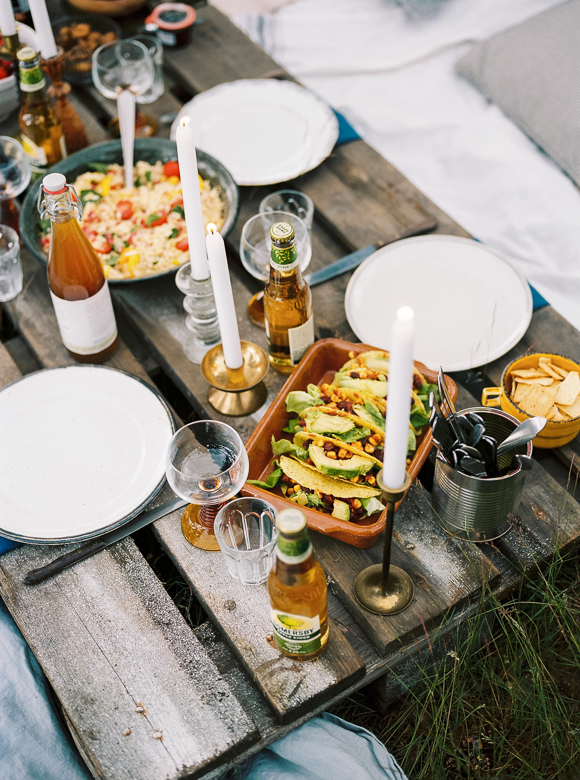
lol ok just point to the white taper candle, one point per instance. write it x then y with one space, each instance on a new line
7 22
43 28
399 398
187 157
224 298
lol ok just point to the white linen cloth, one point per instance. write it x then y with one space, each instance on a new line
393 78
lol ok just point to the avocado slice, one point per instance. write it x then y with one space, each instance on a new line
374 386
341 510
339 468
380 365
328 423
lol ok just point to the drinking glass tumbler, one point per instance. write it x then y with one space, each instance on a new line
256 244
10 268
291 201
155 49
246 533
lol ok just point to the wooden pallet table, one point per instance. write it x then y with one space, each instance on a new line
143 694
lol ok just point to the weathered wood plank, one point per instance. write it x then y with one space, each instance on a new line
447 574
144 697
242 613
9 371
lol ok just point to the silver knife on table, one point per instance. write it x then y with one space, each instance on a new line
96 545
353 260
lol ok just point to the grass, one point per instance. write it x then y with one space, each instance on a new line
509 709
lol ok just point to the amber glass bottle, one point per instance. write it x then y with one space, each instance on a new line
287 303
42 135
297 588
79 290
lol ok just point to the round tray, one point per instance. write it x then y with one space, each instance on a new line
149 149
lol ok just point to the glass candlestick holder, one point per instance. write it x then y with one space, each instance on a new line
201 320
72 125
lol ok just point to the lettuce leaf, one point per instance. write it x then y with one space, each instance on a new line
298 400
371 505
354 435
425 390
270 482
293 426
372 414
412 441
418 419
284 447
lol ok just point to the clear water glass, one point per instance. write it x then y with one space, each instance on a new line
246 533
121 65
207 462
10 268
14 168
291 201
155 49
255 243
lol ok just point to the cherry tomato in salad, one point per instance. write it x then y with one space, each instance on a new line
124 209
153 220
103 247
183 244
171 168
45 241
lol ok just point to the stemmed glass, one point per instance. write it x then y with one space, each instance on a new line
122 71
14 179
207 464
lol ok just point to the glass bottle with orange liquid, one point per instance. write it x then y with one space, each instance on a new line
78 288
297 589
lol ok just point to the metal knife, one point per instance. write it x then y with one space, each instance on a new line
86 550
353 260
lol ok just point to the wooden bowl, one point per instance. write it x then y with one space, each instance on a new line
555 433
319 365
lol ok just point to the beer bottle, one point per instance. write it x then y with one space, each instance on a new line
287 303
297 588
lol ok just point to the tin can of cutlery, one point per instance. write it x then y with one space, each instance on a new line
480 509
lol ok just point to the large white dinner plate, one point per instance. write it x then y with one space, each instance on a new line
82 450
263 130
471 305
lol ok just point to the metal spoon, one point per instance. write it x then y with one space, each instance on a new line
446 400
524 461
524 433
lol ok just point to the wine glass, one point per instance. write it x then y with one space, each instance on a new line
123 70
14 179
255 248
207 464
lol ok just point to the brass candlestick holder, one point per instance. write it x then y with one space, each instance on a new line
236 392
72 126
382 588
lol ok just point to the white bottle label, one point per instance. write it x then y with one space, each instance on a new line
88 326
300 340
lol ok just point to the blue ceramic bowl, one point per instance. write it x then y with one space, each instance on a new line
149 149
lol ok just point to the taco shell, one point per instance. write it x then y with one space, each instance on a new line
302 438
309 477
338 413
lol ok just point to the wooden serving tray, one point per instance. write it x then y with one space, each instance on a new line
319 365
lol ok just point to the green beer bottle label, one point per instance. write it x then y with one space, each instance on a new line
296 634
283 255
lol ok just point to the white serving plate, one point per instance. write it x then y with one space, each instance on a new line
82 451
471 305
263 130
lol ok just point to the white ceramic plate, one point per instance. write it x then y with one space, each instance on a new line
82 450
471 305
263 130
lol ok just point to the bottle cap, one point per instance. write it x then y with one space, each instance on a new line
282 233
54 183
290 521
27 54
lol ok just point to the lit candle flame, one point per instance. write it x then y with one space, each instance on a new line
211 228
405 314
184 121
